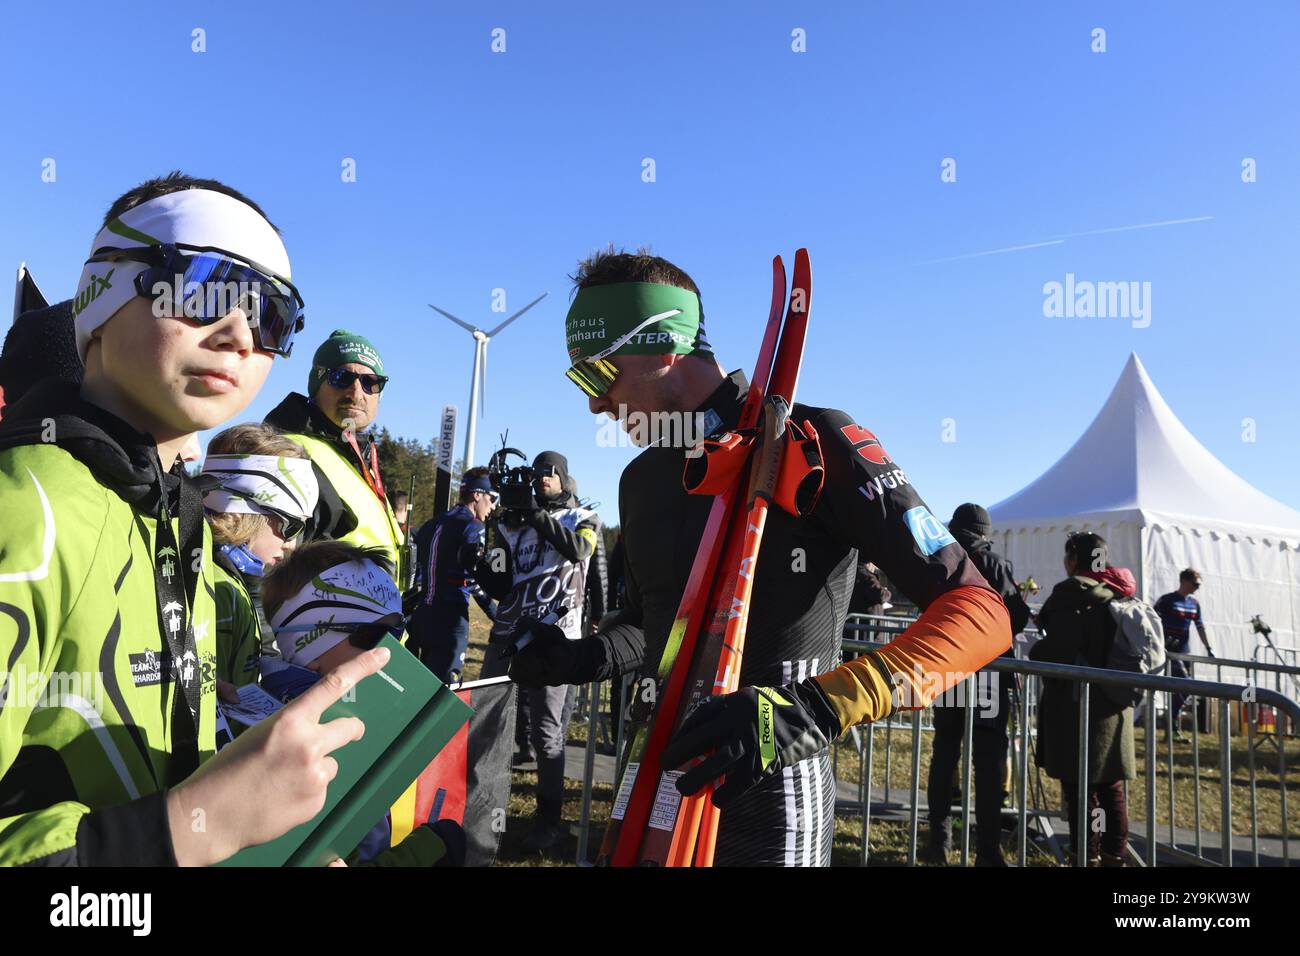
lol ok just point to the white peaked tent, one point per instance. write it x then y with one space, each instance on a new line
1140 479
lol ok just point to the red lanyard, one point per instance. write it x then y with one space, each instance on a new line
372 473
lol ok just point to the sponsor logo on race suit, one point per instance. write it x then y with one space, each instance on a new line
927 530
866 444
887 481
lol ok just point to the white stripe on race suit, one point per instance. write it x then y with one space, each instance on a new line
814 836
791 818
805 792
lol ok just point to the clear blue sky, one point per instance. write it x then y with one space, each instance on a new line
479 170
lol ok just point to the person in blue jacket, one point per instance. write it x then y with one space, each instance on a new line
448 548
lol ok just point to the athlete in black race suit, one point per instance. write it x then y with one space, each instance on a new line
805 571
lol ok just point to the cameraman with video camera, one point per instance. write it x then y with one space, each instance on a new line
535 562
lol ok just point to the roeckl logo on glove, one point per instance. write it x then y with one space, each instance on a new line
767 699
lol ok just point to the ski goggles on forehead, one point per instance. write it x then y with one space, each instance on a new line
596 374
371 384
204 284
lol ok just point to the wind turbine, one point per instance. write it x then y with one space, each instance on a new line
478 381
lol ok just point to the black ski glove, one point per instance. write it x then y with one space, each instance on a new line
549 659
753 734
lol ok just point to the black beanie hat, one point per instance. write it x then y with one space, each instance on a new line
543 464
553 459
971 517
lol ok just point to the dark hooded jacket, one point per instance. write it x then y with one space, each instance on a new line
1079 629
997 572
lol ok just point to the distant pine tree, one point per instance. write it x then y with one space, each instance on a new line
399 459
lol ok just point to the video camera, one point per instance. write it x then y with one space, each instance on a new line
514 485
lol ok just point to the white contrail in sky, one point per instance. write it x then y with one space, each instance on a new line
1142 225
1060 240
994 252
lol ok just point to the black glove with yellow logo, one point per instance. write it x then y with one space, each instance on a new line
753 734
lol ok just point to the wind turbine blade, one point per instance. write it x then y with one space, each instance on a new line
460 322
518 314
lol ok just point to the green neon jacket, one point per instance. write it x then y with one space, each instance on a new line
239 635
368 520
85 705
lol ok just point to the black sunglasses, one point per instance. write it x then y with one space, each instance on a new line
371 384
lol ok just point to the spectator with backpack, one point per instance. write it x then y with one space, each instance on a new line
1091 618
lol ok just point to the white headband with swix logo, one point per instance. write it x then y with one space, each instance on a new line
256 484
196 217
356 592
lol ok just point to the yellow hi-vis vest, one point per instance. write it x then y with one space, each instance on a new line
377 526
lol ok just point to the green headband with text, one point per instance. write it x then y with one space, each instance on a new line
634 318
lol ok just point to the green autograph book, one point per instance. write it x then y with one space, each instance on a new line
409 716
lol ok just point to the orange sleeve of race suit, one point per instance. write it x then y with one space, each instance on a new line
961 631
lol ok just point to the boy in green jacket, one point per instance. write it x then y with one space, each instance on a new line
107 618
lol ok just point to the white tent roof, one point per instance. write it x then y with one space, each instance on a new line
1137 457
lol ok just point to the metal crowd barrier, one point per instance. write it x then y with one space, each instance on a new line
1086 677
1253 668
882 628
1288 655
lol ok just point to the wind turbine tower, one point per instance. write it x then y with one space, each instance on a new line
478 380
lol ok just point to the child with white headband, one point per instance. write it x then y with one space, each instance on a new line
107 619
328 603
261 494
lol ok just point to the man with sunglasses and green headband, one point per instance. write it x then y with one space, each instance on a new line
107 616
332 422
635 335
